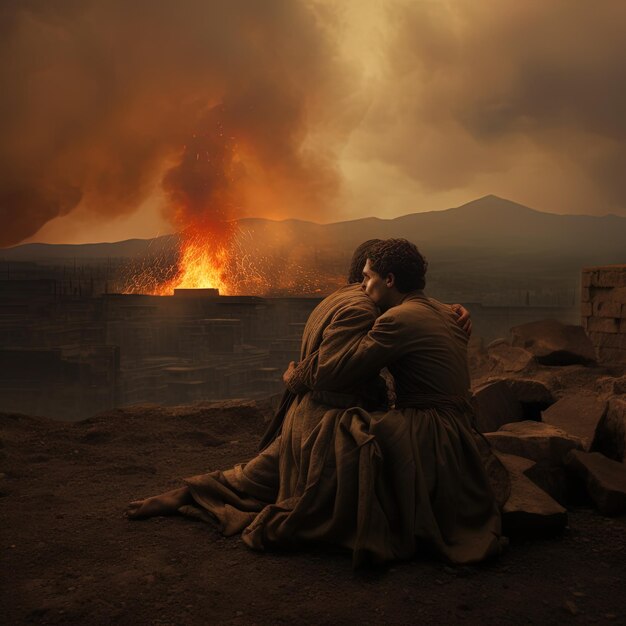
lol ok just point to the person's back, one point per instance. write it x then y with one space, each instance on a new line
434 350
347 300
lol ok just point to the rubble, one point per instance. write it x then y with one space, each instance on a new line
554 343
610 436
496 406
533 396
605 480
510 359
529 510
603 311
534 440
578 414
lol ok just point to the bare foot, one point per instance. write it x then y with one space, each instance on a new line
164 504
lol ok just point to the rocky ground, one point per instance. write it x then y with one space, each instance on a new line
70 557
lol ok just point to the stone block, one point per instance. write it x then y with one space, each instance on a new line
607 309
555 481
608 294
529 391
622 326
554 343
623 313
577 414
496 405
528 510
605 480
587 277
510 359
610 437
608 340
611 356
534 440
610 277
533 396
611 385
603 325
586 309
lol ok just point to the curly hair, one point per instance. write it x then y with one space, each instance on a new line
402 259
357 263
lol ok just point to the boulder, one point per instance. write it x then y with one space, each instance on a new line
507 358
555 481
554 343
496 405
605 480
534 440
578 414
611 385
533 396
529 510
529 391
610 437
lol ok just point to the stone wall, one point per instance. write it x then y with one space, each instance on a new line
603 310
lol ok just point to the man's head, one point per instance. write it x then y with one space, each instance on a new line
394 267
359 257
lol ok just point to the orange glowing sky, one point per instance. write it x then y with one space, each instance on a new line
338 109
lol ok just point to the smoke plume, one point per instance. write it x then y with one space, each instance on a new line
104 99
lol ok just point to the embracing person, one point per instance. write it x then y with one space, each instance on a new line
323 475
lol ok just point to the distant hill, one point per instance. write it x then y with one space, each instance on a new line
487 227
490 250
87 251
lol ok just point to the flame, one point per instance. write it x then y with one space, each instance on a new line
220 256
203 262
216 177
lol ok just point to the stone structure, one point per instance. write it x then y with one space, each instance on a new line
603 310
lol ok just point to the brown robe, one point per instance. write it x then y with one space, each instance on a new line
427 487
386 485
233 498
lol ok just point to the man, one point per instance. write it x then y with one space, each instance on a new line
420 476
349 312
263 490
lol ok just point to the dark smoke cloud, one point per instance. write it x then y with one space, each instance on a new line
101 99
489 90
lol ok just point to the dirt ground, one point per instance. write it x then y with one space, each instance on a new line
70 557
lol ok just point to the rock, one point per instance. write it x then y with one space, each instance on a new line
496 406
555 481
530 391
534 440
554 343
611 385
533 396
605 480
577 414
529 510
497 342
510 359
610 437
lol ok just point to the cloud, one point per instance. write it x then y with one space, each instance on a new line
322 109
103 99
475 93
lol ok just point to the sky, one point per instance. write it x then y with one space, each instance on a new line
124 120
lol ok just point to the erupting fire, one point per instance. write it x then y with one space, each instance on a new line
202 190
204 261
220 172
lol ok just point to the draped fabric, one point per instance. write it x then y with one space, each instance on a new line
387 484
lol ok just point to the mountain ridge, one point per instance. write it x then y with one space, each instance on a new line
489 223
